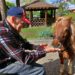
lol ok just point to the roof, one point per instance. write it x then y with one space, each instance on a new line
39 5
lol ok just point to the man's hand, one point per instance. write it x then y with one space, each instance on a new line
48 48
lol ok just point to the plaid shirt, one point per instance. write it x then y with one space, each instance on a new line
14 46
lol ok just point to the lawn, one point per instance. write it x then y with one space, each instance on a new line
37 32
72 15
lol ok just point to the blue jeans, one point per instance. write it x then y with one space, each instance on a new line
24 69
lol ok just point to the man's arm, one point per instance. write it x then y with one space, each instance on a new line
14 51
19 54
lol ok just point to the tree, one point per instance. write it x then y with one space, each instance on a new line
18 3
9 4
62 9
3 8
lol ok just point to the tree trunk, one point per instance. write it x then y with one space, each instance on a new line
3 9
18 3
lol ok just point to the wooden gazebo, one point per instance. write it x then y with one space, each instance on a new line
43 7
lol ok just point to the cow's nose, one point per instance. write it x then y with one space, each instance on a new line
56 43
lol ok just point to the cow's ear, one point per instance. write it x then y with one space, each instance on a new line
58 19
69 19
66 20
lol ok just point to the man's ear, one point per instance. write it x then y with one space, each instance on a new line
13 19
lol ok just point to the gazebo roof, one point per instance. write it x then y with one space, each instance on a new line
39 5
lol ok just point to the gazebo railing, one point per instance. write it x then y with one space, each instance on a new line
38 21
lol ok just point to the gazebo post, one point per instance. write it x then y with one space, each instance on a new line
45 18
51 12
31 18
54 14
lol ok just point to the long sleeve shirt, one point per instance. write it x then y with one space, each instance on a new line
14 46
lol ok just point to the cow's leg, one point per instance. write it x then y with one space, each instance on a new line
61 64
61 69
70 62
70 67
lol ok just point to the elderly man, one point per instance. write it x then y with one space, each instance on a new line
18 56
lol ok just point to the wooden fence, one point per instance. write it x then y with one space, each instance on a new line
38 22
41 21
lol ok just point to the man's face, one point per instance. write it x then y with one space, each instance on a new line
18 24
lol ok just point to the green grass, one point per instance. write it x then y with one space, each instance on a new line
72 15
36 32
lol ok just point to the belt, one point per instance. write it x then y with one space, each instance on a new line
5 62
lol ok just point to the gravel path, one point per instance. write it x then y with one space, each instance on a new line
51 61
